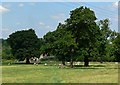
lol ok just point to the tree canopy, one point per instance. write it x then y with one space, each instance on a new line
24 44
84 29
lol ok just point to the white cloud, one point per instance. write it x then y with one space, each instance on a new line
3 9
32 3
48 27
43 25
58 16
21 5
27 28
115 4
7 5
18 23
6 32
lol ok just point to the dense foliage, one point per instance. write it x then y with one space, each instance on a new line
117 50
61 44
6 50
24 44
84 29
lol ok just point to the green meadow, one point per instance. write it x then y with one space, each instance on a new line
51 73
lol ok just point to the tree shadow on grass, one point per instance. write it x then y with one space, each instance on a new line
90 66
93 67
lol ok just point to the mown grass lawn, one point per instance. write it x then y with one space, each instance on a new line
96 73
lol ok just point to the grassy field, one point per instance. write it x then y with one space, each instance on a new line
96 73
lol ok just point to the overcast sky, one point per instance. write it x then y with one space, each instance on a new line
45 16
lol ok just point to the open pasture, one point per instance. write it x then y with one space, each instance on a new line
95 73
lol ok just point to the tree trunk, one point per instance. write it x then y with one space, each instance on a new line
27 61
71 63
63 62
86 61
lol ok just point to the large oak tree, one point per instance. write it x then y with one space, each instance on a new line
84 29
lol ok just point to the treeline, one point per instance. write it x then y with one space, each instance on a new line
6 50
80 38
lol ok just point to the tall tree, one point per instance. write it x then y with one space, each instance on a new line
84 28
24 44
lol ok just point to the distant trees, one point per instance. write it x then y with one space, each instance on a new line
24 44
117 50
106 46
104 34
6 50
